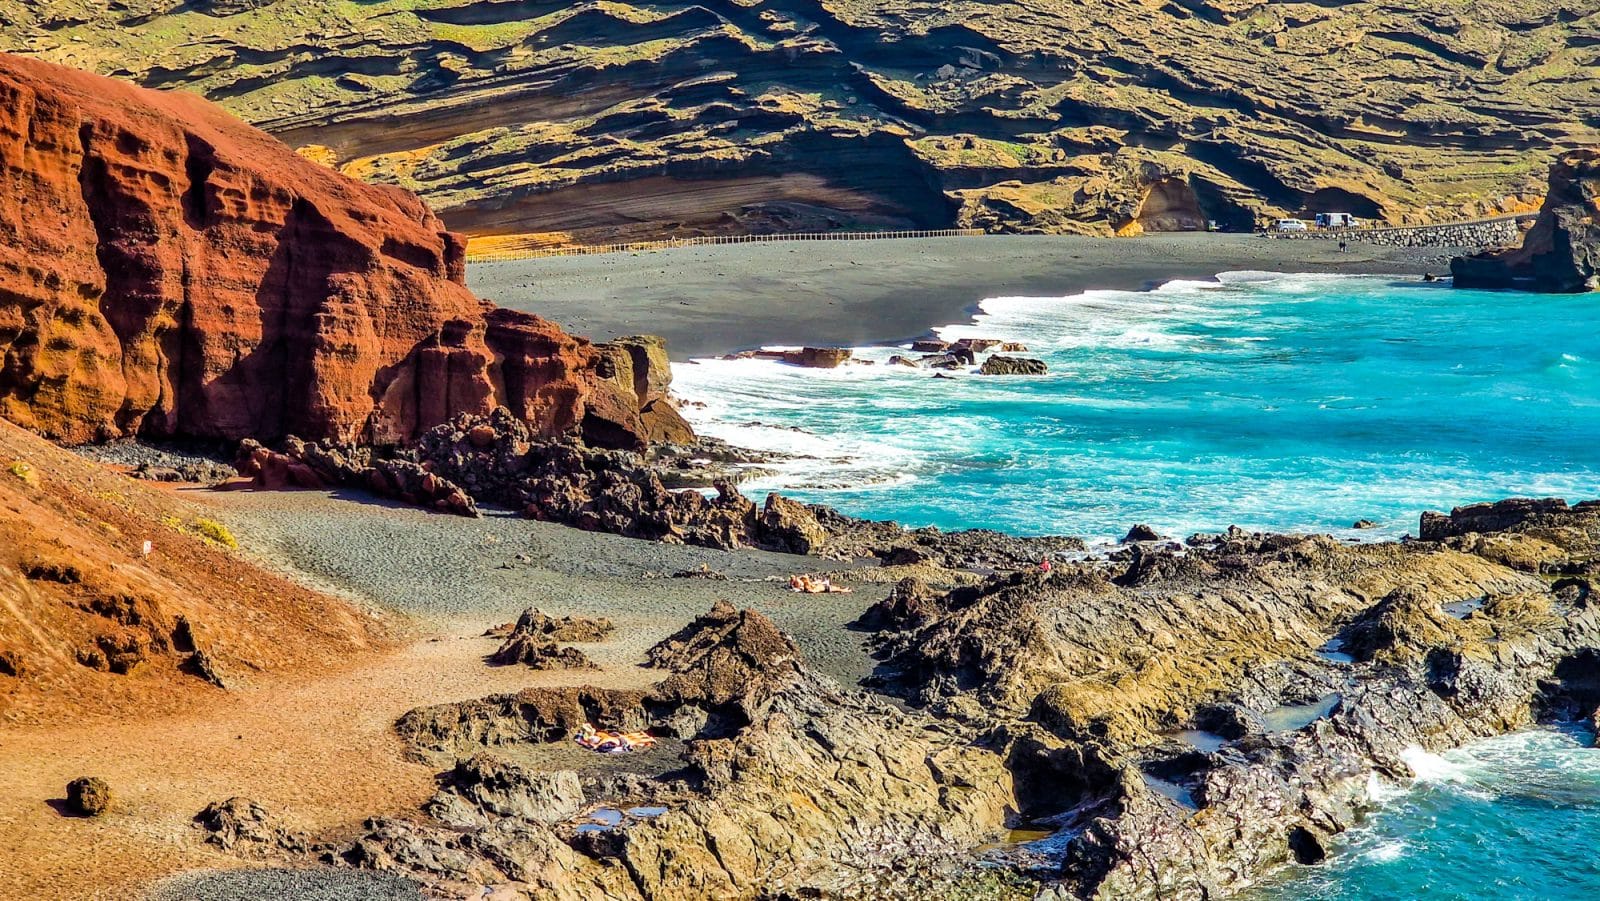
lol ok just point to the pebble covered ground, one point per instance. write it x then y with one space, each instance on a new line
320 884
463 575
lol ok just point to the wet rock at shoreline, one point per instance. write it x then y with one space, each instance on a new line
1437 645
1003 365
1139 533
809 357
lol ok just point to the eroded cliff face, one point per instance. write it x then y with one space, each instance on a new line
598 121
1561 253
166 270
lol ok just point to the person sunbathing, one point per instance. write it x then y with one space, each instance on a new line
808 584
604 741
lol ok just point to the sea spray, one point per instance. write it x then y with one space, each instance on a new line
1260 400
1504 818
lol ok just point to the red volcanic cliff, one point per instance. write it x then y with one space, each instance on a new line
166 270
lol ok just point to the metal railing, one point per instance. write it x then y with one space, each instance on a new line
506 254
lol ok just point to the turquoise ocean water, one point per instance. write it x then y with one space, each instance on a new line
1266 401
1507 819
1285 402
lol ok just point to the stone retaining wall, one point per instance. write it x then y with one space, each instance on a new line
1488 233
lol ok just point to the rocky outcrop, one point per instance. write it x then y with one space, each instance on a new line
788 784
169 271
1100 118
532 642
999 364
1499 516
245 827
1095 668
1561 253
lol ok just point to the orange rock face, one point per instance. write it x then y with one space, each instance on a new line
166 270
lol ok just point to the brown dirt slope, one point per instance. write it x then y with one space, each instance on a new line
606 119
92 629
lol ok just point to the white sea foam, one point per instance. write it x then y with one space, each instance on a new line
1387 852
1430 767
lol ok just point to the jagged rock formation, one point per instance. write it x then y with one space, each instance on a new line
610 120
1561 253
787 782
532 641
498 458
1307 667
1185 719
169 271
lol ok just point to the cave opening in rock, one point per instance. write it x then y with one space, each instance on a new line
1170 205
1305 847
1573 692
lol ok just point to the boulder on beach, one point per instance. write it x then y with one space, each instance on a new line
930 346
88 796
1004 365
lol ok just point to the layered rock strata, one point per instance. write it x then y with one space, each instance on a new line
167 271
597 122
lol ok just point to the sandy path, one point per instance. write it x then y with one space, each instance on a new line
319 751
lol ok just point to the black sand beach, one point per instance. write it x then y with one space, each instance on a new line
715 299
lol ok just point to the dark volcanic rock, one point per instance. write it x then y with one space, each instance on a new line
1496 517
88 796
755 801
1449 644
243 826
535 653
1003 365
1141 532
1561 253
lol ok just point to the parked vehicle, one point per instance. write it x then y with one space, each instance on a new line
1335 220
1292 225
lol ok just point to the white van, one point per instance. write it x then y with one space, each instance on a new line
1292 225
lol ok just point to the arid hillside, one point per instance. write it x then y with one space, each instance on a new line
95 623
604 120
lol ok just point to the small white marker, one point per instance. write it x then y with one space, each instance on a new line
148 547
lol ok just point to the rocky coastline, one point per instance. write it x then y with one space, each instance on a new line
1168 720
1178 720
